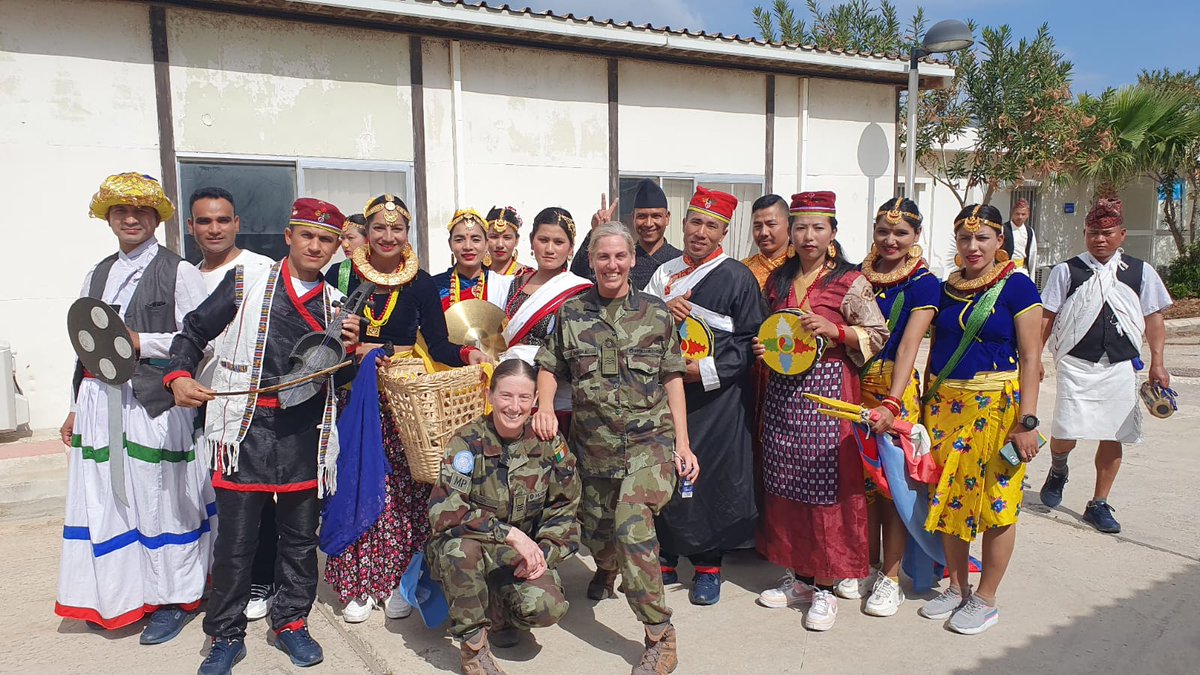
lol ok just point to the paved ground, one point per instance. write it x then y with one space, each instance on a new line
1074 601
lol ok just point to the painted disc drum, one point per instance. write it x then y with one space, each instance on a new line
791 348
101 341
695 339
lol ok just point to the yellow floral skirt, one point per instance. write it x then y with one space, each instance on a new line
876 383
969 422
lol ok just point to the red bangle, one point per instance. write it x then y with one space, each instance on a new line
465 354
841 333
892 404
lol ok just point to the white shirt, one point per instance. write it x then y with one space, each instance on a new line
1021 237
123 280
1154 296
212 279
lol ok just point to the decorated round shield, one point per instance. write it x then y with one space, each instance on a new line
101 341
791 349
695 339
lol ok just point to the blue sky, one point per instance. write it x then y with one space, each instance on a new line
1109 42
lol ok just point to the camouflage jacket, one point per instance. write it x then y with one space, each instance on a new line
485 488
620 421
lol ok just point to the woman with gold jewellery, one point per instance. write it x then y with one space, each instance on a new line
814 519
405 301
985 369
537 294
469 278
354 234
503 235
907 294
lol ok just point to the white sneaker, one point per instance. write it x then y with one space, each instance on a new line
397 607
856 589
790 592
358 611
823 612
261 596
885 598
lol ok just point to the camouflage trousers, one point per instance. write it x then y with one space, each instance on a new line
617 519
482 589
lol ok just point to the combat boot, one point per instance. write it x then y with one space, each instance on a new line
477 656
661 655
601 585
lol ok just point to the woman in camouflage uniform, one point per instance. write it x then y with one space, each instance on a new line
503 517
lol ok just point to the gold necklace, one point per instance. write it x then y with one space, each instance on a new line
903 271
989 277
375 325
402 276
479 290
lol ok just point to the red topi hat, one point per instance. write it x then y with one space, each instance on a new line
823 203
316 213
719 205
1106 213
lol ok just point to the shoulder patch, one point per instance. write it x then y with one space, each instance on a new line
459 482
560 452
464 462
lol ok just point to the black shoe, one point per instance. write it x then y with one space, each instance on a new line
1052 489
165 623
601 585
299 645
223 656
504 636
1098 514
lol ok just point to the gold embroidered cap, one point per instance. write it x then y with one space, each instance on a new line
131 189
469 217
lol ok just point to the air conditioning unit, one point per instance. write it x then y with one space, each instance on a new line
1040 275
14 407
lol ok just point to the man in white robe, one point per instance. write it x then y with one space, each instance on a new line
1097 307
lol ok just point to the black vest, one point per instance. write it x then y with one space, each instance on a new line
150 310
1102 339
1008 242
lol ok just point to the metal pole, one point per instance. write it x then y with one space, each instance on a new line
910 149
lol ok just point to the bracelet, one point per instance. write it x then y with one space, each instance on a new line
892 404
841 333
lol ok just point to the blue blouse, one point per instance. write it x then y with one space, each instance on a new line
995 348
921 291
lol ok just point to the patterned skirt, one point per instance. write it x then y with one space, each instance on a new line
373 565
814 517
876 383
969 422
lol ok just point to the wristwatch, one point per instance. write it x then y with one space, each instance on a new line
1030 422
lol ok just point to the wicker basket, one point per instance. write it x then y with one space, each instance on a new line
428 409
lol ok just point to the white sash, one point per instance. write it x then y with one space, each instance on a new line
679 287
556 286
1079 311
497 288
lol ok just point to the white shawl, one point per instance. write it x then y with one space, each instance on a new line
1079 311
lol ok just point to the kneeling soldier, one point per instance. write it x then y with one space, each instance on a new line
503 517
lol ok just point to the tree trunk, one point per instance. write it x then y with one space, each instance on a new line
1194 214
1170 216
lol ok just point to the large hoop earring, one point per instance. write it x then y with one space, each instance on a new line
958 261
1001 256
831 252
915 252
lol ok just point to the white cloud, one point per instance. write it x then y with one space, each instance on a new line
677 14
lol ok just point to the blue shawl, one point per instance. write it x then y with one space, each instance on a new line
362 466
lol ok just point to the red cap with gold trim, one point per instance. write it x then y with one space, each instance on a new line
822 203
316 213
719 205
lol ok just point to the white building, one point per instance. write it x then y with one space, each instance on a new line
445 104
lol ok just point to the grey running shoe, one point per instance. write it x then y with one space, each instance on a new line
943 605
974 617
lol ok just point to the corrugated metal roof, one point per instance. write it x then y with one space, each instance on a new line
460 19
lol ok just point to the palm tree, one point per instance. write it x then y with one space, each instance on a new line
1140 131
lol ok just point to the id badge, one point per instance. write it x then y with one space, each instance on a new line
608 361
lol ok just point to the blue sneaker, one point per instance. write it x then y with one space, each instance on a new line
299 645
223 656
1052 489
1098 514
670 576
165 623
706 588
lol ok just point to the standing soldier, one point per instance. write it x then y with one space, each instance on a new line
619 350
503 517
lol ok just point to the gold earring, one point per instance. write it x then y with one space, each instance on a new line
1001 256
487 259
958 261
915 252
832 250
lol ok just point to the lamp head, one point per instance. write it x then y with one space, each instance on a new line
947 36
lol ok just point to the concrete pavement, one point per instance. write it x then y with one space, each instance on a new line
1073 601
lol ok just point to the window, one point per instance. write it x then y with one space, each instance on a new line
264 192
739 243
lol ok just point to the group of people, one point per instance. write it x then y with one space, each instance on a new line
606 429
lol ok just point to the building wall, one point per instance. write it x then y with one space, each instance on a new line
77 100
850 150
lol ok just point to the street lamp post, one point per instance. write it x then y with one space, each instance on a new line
945 36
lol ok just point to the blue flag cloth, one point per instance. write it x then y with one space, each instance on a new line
362 465
422 591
